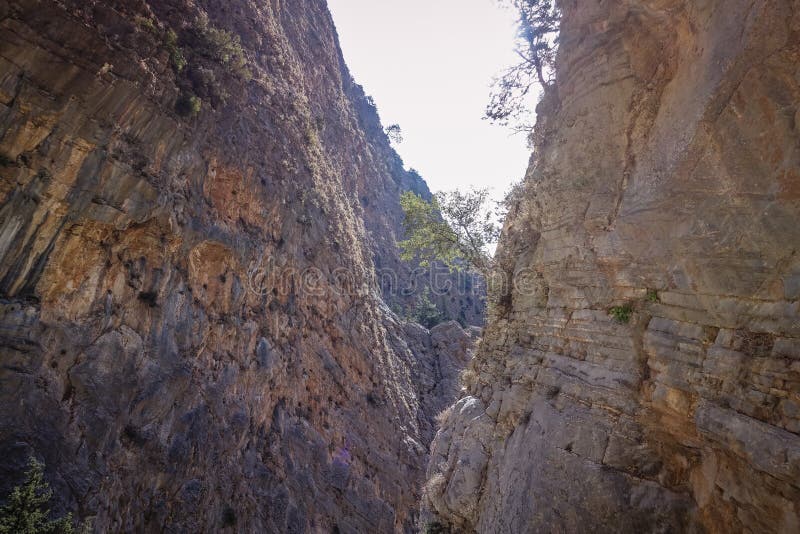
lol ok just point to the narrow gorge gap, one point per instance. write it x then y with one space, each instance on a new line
255 281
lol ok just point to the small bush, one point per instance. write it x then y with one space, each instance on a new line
622 314
443 416
221 46
145 23
175 52
26 510
468 378
652 296
169 39
188 105
425 311
5 161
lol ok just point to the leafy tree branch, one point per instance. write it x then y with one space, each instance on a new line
455 228
26 509
537 44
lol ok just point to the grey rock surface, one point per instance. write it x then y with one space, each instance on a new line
193 336
667 178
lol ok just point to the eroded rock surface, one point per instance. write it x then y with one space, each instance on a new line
668 179
192 335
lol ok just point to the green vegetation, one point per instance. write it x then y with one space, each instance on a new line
425 311
455 228
5 161
221 46
622 314
188 105
175 52
198 56
537 43
26 511
145 23
652 296
169 39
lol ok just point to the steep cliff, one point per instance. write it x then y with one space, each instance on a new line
643 374
194 197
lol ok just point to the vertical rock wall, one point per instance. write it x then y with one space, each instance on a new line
667 181
191 332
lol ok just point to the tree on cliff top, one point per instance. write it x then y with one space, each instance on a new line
537 43
454 228
394 133
26 512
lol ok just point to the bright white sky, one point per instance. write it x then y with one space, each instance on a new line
429 64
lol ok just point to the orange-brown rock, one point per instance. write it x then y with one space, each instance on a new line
192 335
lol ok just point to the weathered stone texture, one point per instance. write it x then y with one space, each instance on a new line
668 177
165 348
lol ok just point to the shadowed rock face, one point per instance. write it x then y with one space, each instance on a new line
191 332
668 178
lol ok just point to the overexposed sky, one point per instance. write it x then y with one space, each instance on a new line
429 64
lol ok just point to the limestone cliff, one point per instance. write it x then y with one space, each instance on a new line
665 190
194 197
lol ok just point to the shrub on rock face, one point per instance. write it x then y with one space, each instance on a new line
188 105
622 314
425 312
176 55
26 510
221 46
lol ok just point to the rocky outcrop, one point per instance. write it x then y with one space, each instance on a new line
665 193
192 335
442 352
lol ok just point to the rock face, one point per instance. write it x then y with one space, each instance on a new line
195 196
667 184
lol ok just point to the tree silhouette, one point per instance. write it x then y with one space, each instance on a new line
537 44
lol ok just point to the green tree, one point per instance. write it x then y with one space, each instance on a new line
425 312
537 44
26 510
455 228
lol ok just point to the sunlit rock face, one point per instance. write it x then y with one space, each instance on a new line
668 178
191 331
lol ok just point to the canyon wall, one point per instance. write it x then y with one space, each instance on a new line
643 372
194 200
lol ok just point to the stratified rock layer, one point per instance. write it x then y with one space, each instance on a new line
668 179
191 332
